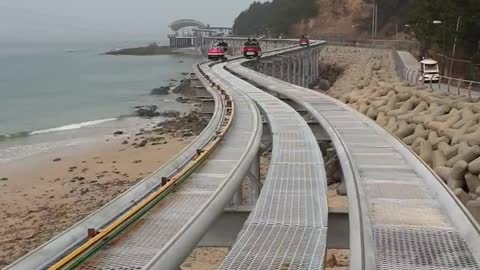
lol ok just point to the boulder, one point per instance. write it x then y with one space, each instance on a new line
342 189
163 90
147 111
170 114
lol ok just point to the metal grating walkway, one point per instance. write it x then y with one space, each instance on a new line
287 229
410 220
161 227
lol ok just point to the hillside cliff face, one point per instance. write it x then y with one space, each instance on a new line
344 18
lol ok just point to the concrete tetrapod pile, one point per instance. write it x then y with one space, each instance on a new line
443 130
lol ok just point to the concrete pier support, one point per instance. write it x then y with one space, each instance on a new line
272 68
254 181
294 72
282 69
299 68
236 200
303 73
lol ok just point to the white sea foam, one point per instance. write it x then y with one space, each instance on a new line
73 126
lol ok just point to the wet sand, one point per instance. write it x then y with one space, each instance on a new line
45 194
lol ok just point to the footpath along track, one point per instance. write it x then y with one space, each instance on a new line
402 216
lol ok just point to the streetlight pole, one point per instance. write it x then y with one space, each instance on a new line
454 46
374 19
444 48
444 63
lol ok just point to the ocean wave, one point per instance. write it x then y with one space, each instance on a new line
14 135
72 126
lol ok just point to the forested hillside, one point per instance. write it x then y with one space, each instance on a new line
352 19
274 17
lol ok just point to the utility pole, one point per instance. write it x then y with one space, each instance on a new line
374 19
444 48
396 35
454 46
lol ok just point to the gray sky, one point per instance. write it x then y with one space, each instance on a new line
108 19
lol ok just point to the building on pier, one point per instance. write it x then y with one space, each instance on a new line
191 33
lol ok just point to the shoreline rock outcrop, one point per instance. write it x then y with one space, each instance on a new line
152 49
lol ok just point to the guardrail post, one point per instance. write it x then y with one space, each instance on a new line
311 72
289 75
448 86
458 87
303 73
470 89
295 65
282 68
272 69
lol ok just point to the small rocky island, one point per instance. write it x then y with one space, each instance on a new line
152 49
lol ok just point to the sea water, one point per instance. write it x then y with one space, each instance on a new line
48 89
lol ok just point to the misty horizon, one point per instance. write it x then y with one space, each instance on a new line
58 20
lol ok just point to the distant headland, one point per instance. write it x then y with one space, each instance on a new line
152 49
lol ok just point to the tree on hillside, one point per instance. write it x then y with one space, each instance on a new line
423 13
273 18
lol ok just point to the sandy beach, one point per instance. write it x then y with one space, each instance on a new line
47 193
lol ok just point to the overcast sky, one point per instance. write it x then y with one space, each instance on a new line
108 19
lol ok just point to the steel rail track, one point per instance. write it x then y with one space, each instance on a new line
288 227
389 180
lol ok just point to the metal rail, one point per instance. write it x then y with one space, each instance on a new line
288 227
409 219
